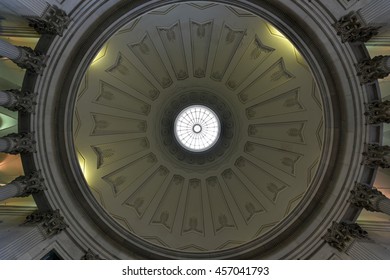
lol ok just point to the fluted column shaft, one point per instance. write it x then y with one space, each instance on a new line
22 186
369 198
24 57
6 98
384 205
17 100
23 244
374 10
43 17
360 250
12 189
4 145
17 143
38 226
9 50
29 8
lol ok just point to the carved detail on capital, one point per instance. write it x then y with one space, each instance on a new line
31 184
340 235
50 222
365 196
351 29
24 101
369 70
54 21
377 156
378 112
89 255
20 143
31 60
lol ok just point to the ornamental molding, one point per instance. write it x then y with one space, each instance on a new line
50 222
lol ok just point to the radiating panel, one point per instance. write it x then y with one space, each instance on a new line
172 40
166 211
111 152
193 220
253 57
140 200
274 76
108 125
111 96
229 42
281 159
268 184
292 132
220 212
247 203
200 45
288 102
150 58
126 72
125 176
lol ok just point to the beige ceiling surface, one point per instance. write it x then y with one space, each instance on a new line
278 126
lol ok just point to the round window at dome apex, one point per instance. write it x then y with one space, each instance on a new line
197 128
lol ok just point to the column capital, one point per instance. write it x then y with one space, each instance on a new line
376 156
30 60
340 235
369 70
19 143
23 101
365 196
50 222
378 112
352 29
53 21
30 184
89 255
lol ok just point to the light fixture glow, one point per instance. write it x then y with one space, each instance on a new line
197 128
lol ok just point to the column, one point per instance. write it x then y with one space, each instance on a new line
374 10
383 205
27 8
9 50
53 21
17 143
341 235
369 70
89 255
50 222
376 156
23 244
351 29
39 225
361 250
6 98
378 112
16 100
369 198
24 57
43 17
23 186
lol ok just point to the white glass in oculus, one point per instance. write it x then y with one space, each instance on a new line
197 128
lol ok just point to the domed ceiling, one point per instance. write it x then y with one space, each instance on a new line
212 55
